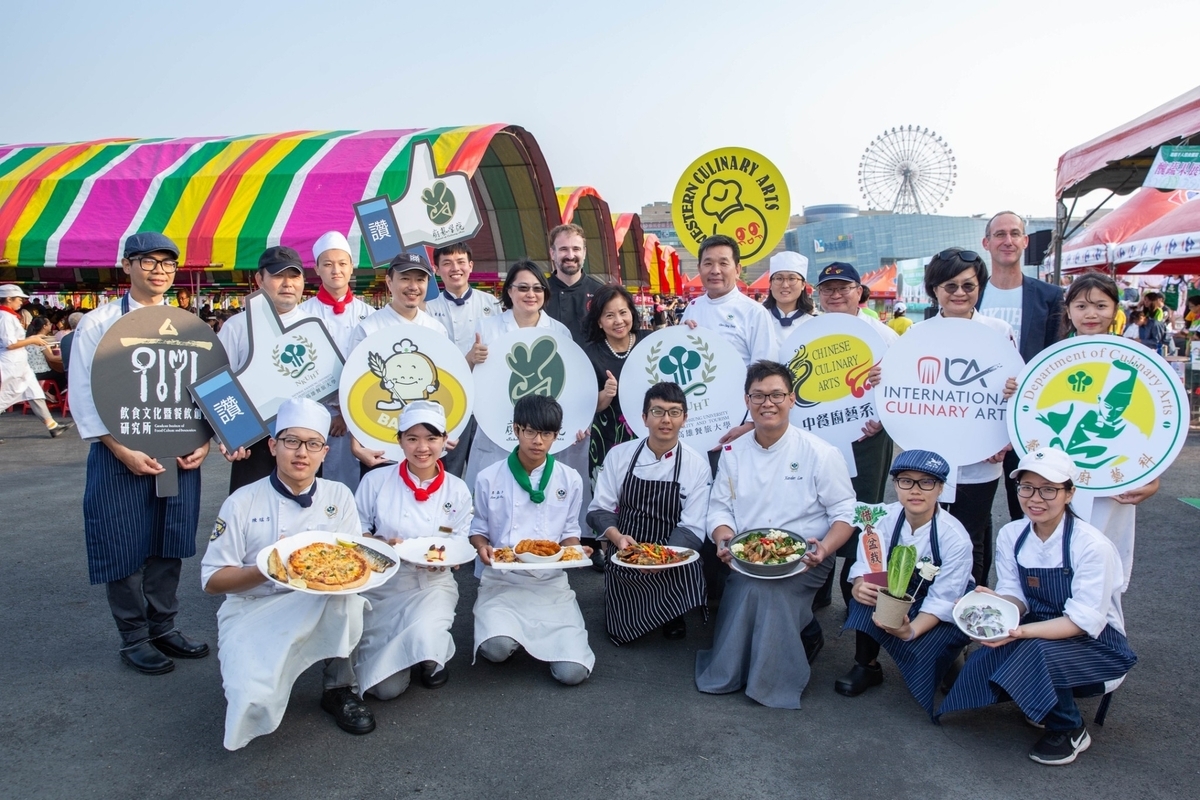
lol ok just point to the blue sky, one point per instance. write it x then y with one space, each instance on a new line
620 95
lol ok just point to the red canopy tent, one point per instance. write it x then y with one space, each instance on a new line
881 282
762 283
1168 246
1120 159
1090 248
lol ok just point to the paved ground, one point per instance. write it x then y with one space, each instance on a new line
79 724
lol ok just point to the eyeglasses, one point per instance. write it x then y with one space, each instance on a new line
1047 492
758 398
531 434
526 288
955 288
829 290
928 484
969 256
659 413
311 445
780 277
148 263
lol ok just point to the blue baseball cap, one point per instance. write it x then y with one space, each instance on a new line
925 461
406 261
839 271
149 242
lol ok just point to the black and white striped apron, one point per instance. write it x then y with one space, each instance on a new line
124 519
638 601
923 661
1030 670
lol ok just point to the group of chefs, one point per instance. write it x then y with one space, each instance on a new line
766 474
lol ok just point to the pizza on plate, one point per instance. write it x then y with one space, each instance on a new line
328 567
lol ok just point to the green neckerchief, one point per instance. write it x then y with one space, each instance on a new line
519 474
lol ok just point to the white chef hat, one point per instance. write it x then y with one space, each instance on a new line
300 412
787 261
334 240
426 411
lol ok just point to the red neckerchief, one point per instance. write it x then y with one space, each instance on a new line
9 310
423 494
339 306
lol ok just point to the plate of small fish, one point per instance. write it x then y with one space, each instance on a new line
985 617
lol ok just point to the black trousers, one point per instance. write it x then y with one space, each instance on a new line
1010 486
255 468
144 603
972 507
455 461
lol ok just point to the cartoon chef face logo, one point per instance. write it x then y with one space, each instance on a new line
406 374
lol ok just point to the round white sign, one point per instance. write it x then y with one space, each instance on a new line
829 358
707 368
1114 406
535 361
391 368
942 389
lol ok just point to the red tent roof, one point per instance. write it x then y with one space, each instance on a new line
881 282
1089 248
1119 159
1172 237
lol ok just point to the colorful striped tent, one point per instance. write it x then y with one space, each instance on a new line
584 206
631 250
662 263
66 209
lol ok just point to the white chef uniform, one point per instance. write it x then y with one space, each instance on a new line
742 322
340 464
462 321
268 635
386 317
537 609
695 478
954 546
410 616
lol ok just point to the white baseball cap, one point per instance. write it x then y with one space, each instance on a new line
334 240
899 308
11 290
426 411
300 412
1049 462
787 261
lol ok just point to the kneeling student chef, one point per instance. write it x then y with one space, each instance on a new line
536 610
928 641
1065 577
268 635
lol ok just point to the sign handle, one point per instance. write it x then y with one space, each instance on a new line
166 483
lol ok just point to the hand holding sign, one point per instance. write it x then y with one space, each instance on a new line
298 361
435 209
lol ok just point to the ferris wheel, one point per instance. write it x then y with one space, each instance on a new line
907 170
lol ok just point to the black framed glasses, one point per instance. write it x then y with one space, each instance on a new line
1026 490
311 445
148 263
928 484
758 398
658 412
966 256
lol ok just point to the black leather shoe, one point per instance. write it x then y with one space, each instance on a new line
597 559
351 714
59 429
812 645
146 659
858 680
675 629
176 645
431 679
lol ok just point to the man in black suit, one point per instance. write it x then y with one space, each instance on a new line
1034 308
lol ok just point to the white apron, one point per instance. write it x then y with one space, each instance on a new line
264 645
17 381
485 452
538 610
408 622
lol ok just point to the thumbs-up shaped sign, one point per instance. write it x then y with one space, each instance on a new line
435 209
298 361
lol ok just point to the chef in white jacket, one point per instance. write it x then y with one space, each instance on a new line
268 635
777 477
530 496
280 276
337 307
722 308
409 619
408 277
17 380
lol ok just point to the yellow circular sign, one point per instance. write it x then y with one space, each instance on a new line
830 368
735 192
375 412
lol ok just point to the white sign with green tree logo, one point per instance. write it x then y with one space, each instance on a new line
706 367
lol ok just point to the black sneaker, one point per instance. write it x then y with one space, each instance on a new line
59 429
350 713
1060 747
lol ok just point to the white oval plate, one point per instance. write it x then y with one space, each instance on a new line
695 556
413 551
1011 614
290 544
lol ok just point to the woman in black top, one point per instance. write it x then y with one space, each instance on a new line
609 330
